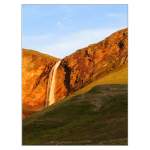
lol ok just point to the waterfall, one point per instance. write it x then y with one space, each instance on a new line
51 85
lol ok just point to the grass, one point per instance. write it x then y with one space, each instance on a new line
98 116
118 76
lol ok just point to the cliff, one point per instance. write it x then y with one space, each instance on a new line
91 63
35 72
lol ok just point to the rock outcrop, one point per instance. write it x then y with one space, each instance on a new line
35 73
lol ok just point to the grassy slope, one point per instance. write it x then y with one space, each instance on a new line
118 76
96 117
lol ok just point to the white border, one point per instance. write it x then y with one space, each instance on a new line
75 1
139 74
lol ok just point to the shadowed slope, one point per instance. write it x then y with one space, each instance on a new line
96 117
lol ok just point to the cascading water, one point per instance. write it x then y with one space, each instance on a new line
51 85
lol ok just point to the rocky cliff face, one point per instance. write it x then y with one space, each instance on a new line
92 62
35 72
74 72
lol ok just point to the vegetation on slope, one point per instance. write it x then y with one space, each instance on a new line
96 117
118 76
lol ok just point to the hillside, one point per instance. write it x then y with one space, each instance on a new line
95 117
35 71
118 76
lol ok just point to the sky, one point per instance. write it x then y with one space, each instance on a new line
59 30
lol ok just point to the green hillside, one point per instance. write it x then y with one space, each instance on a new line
97 117
117 76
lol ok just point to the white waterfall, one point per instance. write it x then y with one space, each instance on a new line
51 85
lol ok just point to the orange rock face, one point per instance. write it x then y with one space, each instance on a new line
35 72
88 64
74 72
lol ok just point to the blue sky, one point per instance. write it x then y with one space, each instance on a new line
59 30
